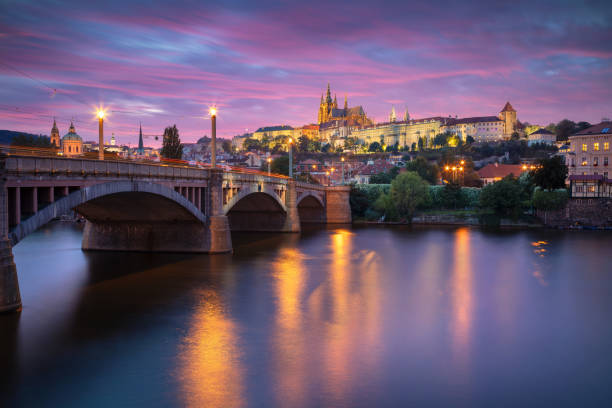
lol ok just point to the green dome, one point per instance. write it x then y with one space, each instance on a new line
72 135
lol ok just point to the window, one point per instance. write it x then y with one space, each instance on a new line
69 149
584 147
606 161
605 174
595 161
584 161
606 146
596 147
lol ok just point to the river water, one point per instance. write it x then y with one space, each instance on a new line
348 317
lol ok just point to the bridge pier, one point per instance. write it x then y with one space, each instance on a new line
10 298
219 235
338 205
292 221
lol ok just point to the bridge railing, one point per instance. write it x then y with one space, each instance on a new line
42 152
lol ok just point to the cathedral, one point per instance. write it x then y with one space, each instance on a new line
329 112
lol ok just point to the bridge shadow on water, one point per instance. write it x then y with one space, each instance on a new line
121 293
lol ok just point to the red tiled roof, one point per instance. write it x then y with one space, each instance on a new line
496 170
508 108
376 168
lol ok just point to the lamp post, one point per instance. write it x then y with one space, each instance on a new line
100 134
331 175
213 138
342 160
269 160
290 158
327 174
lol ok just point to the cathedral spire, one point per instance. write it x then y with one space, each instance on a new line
335 102
328 98
392 116
140 143
321 98
406 116
345 103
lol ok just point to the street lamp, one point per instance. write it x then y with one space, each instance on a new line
213 140
327 174
100 134
332 175
342 160
290 141
269 160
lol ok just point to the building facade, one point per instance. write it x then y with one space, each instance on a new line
481 128
589 161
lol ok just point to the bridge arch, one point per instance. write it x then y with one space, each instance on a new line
311 208
102 202
256 211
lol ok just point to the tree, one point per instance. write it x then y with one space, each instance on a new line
408 192
441 139
549 201
581 126
227 146
171 146
451 196
280 165
375 147
469 140
502 197
349 143
550 173
424 169
303 143
385 177
31 141
413 147
421 143
251 144
564 129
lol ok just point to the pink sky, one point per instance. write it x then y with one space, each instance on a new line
266 63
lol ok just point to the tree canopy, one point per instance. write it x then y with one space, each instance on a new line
550 173
171 146
408 192
424 169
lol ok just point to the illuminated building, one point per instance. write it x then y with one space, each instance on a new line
55 137
72 144
589 161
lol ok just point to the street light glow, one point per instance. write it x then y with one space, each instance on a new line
212 110
101 113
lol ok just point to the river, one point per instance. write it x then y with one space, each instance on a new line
347 317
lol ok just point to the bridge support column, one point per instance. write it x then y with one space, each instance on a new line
10 298
292 222
338 206
218 225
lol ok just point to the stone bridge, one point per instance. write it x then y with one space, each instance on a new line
131 206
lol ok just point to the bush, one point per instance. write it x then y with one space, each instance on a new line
503 197
408 192
550 200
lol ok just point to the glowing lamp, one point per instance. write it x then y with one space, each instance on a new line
101 114
213 111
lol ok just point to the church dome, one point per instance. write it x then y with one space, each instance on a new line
72 135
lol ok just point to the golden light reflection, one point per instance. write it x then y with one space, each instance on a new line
291 348
539 248
461 292
211 372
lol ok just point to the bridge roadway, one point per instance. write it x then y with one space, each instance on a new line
131 206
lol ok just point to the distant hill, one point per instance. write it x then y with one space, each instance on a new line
6 136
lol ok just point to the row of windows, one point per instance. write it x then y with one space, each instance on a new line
596 146
585 162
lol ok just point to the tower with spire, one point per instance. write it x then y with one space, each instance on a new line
392 116
55 137
406 116
329 111
140 142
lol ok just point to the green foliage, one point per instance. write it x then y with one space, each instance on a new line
407 193
503 197
227 146
375 147
441 139
551 173
386 177
469 140
251 144
31 141
171 146
428 172
550 200
564 129
280 165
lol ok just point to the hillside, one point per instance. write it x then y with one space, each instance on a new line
7 135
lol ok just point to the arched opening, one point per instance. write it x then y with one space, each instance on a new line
257 212
311 211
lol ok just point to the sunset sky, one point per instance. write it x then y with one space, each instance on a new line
266 63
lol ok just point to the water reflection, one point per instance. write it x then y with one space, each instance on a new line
461 293
211 373
290 346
